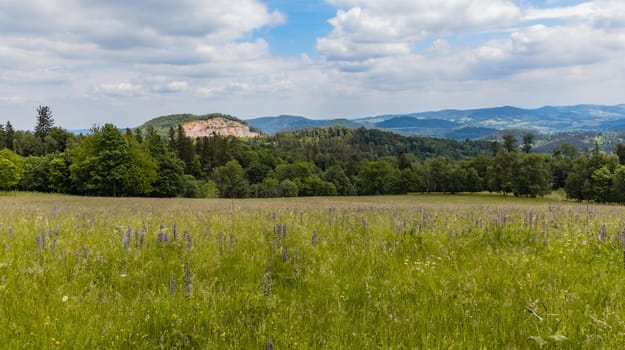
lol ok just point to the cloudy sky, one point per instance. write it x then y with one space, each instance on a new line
119 61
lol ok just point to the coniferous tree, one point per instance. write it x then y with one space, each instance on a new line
3 137
9 136
45 122
528 142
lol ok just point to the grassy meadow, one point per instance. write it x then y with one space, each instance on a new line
408 272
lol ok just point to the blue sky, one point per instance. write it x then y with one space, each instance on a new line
124 62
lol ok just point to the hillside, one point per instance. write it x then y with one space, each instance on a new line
202 125
272 125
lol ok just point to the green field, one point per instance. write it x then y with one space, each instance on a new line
407 272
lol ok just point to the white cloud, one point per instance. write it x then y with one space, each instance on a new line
379 40
383 28
146 58
124 89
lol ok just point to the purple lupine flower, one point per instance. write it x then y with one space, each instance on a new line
126 239
187 280
231 244
278 229
189 242
39 244
269 345
85 252
284 232
285 253
604 233
314 239
160 236
174 230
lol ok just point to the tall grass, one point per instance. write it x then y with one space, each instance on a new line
378 272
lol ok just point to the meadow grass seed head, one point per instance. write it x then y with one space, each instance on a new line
267 282
172 285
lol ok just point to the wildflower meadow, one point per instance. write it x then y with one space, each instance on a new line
405 272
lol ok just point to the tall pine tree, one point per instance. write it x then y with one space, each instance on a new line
44 122
9 136
3 137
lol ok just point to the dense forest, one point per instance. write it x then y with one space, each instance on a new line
318 162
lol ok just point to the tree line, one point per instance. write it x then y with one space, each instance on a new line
319 162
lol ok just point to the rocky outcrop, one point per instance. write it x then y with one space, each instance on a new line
217 126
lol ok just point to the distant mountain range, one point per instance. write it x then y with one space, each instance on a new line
468 124
580 125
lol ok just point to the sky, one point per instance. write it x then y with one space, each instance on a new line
125 62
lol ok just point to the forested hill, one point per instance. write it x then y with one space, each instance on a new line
318 162
340 141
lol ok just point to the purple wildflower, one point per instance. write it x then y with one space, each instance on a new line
126 239
278 229
160 236
187 280
314 238
189 242
174 230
